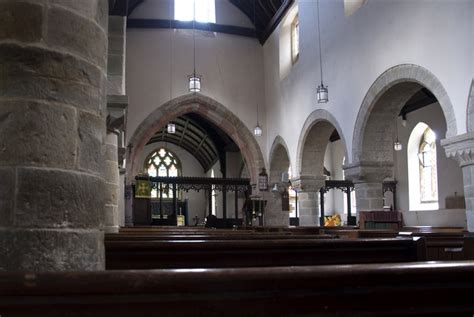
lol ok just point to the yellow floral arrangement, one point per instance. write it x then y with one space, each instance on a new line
331 221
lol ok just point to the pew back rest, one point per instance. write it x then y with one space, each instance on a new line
262 253
414 289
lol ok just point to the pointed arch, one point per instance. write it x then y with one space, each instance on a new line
209 109
279 159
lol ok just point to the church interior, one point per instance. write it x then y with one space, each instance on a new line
236 157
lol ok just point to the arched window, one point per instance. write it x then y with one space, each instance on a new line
422 168
163 163
427 163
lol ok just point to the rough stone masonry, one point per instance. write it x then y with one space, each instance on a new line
53 56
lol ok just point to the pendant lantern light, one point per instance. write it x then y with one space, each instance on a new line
194 80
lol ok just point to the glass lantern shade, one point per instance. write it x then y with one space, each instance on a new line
258 131
194 83
397 146
171 128
323 93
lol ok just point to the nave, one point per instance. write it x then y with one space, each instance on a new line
236 157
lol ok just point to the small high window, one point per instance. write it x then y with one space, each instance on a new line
295 39
198 10
163 163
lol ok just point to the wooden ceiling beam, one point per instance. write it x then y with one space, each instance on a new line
184 131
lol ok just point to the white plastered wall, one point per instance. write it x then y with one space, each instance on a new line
333 158
357 49
232 73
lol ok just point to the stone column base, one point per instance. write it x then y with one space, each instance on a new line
274 215
369 196
308 211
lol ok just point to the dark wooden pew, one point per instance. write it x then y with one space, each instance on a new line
375 290
204 236
251 253
442 243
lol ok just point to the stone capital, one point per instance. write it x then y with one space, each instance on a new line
116 109
460 148
368 172
308 183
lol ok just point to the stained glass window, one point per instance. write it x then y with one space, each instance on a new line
163 163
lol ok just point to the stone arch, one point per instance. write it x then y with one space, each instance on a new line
211 110
400 81
313 140
279 159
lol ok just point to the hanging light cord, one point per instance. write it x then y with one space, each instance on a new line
194 39
171 56
319 40
396 128
255 56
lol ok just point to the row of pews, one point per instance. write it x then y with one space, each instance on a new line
262 271
221 248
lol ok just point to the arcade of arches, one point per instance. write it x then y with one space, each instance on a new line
87 98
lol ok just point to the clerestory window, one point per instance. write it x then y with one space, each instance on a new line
197 10
295 39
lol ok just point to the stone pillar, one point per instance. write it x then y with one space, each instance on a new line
116 106
274 215
111 183
116 56
368 179
121 201
308 198
461 148
128 204
53 57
